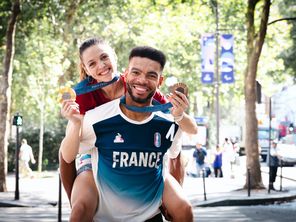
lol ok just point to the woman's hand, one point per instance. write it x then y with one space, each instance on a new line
180 103
70 111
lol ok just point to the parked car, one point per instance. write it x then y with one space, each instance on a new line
287 149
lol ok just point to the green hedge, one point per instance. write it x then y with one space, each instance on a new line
51 144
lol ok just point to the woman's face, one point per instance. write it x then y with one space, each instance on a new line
100 62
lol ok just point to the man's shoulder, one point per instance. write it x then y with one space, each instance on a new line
165 116
104 111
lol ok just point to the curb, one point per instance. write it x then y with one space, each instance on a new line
244 202
10 204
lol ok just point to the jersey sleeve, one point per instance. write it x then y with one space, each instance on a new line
158 96
176 146
87 140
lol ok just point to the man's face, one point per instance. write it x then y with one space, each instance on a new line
198 146
143 78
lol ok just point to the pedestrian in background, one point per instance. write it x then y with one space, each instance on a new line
228 158
217 164
26 154
273 164
199 154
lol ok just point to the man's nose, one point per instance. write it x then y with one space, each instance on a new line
142 78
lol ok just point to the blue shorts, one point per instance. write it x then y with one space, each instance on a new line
83 163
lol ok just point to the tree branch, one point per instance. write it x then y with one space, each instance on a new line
282 19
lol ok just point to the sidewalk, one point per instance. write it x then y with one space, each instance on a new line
230 192
41 193
42 190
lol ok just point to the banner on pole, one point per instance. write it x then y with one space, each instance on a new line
227 58
207 58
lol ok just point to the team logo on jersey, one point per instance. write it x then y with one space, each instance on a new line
171 133
118 138
157 139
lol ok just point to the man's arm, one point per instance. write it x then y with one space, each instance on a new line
32 156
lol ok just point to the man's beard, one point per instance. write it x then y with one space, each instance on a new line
139 100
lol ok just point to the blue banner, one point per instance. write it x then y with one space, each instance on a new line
207 58
227 58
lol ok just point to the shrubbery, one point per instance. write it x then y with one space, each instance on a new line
51 144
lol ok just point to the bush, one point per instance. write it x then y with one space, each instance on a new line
51 144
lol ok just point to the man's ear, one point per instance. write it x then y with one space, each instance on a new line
125 72
161 78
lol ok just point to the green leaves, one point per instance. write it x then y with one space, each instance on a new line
49 33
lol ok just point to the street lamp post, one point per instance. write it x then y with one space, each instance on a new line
17 121
217 76
269 140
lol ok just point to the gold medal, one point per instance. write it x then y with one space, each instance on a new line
66 93
180 87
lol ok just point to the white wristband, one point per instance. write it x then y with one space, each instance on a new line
179 118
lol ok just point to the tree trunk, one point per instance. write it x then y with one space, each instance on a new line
254 48
5 93
41 132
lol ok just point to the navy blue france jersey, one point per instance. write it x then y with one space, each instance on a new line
127 160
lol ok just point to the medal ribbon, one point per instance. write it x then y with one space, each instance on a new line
83 87
147 109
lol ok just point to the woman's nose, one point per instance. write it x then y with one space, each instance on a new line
101 64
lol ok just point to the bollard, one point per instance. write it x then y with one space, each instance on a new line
204 183
281 177
249 182
60 200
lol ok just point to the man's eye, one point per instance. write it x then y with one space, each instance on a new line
135 72
153 76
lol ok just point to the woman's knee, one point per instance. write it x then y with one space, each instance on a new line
183 212
82 210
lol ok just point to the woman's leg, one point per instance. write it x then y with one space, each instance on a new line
177 169
175 201
84 198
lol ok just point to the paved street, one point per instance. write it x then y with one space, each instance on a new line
41 193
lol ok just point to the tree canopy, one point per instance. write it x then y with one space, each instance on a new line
49 32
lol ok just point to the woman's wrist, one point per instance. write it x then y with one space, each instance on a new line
179 118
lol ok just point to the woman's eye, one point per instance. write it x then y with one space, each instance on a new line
92 64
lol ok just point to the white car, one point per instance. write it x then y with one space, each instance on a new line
286 148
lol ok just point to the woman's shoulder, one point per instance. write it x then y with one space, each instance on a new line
91 100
